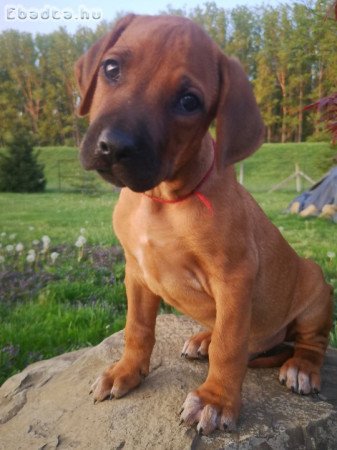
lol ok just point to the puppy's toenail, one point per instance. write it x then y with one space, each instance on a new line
200 431
225 426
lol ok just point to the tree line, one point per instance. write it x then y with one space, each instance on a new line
288 51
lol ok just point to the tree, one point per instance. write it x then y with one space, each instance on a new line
326 106
266 86
11 105
266 90
19 169
244 40
288 52
301 55
20 60
214 20
58 51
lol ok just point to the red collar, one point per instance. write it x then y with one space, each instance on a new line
195 191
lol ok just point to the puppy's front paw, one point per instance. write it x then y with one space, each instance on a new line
208 417
115 382
197 346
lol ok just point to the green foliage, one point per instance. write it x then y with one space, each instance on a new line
60 306
288 52
60 215
20 170
275 162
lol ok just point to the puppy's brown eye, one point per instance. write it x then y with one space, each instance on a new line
112 70
189 103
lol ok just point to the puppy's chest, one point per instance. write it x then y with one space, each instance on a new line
169 268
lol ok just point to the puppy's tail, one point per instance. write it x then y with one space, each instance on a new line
273 358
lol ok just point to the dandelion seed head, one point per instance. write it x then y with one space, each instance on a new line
45 243
30 257
19 247
2 259
331 254
81 240
12 236
54 256
9 248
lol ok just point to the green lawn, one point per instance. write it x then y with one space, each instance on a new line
268 166
64 172
275 162
48 308
58 215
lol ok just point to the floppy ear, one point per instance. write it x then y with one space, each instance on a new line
240 129
87 66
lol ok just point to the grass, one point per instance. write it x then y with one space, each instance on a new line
270 165
275 162
49 308
64 172
59 215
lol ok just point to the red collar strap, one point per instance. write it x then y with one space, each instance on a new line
195 191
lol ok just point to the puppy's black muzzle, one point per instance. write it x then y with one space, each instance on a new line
123 158
116 147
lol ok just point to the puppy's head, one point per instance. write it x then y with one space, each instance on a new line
151 87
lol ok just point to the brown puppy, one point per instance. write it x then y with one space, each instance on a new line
191 234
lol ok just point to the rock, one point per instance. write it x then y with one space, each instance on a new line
48 406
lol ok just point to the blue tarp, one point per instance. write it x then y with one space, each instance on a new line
322 193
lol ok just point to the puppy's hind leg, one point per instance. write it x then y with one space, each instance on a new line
301 373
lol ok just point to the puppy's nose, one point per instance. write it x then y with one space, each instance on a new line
115 145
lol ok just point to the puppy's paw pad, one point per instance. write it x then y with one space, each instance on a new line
101 389
209 420
227 421
207 417
192 408
300 376
197 346
115 382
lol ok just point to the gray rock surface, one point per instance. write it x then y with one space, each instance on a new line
47 406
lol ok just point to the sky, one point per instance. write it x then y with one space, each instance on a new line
44 16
